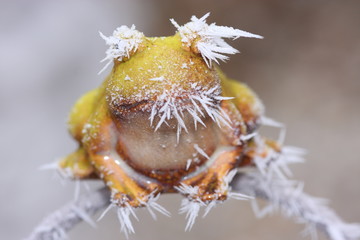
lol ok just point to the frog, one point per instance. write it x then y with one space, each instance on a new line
166 119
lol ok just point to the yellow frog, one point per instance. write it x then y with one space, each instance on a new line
166 119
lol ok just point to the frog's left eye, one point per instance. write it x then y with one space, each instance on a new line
123 43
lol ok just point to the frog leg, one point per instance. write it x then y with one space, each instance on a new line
211 179
128 187
212 182
77 165
211 185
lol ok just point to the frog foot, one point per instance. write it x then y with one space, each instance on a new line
127 204
208 193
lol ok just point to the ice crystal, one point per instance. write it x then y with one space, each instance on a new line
191 209
188 164
157 79
208 39
201 151
124 214
190 205
125 211
274 163
122 43
83 215
171 104
225 188
151 205
188 190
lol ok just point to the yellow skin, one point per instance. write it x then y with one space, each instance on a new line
118 144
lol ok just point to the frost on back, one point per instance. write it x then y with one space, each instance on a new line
123 42
208 39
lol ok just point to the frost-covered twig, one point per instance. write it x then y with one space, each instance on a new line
292 202
57 224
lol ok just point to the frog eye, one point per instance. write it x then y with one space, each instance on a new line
208 40
123 43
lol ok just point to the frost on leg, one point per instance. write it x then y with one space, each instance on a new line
211 186
124 214
100 142
212 179
191 204
197 197
191 208
125 210
129 190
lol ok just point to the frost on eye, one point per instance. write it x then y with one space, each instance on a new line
122 43
208 39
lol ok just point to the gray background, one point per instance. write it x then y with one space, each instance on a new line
306 70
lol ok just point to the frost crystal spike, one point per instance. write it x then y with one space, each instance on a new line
208 39
170 107
123 43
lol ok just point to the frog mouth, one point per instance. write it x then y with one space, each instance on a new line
173 104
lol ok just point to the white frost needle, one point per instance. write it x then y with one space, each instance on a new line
151 205
188 190
188 164
208 208
124 218
191 209
190 205
209 38
122 43
154 205
111 205
50 166
248 136
201 151
84 216
157 79
77 190
266 121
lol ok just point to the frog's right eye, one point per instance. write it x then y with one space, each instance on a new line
122 44
200 37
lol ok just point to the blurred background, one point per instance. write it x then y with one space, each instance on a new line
306 70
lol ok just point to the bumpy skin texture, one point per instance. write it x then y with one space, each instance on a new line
124 145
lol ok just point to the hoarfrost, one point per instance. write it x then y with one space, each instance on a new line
170 105
209 38
123 41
